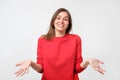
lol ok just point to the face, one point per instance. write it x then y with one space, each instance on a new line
61 22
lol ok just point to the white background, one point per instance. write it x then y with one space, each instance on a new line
23 21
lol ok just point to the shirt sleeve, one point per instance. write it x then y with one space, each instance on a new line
39 53
78 58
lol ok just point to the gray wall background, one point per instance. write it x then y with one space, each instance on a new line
23 21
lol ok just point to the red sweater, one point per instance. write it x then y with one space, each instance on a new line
60 57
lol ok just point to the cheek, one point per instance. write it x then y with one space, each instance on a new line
54 23
67 24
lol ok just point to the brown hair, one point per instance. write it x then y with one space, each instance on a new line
51 32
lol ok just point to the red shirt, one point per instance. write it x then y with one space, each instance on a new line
60 57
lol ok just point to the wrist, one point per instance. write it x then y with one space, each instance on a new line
85 63
31 62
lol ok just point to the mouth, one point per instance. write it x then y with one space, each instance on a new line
60 25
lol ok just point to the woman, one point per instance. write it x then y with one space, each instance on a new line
59 55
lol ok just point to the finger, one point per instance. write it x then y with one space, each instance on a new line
27 71
99 69
95 66
24 71
18 73
101 72
101 62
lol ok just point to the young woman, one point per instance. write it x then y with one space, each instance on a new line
59 53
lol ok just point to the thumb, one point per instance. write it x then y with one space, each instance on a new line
18 64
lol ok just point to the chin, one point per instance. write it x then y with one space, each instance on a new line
60 30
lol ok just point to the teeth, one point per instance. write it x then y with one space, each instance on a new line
60 25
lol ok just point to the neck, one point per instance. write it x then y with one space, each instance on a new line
59 34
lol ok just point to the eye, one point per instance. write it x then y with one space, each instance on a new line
58 18
66 19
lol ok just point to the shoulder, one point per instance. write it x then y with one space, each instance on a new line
41 38
75 36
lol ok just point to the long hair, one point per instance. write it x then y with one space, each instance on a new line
51 32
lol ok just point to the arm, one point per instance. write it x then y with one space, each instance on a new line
36 67
24 67
78 57
82 64
95 64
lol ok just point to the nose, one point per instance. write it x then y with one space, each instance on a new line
61 20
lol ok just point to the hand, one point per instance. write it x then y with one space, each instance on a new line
95 63
24 67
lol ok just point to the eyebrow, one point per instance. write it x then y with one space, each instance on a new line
64 17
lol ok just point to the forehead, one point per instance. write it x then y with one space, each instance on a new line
63 14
